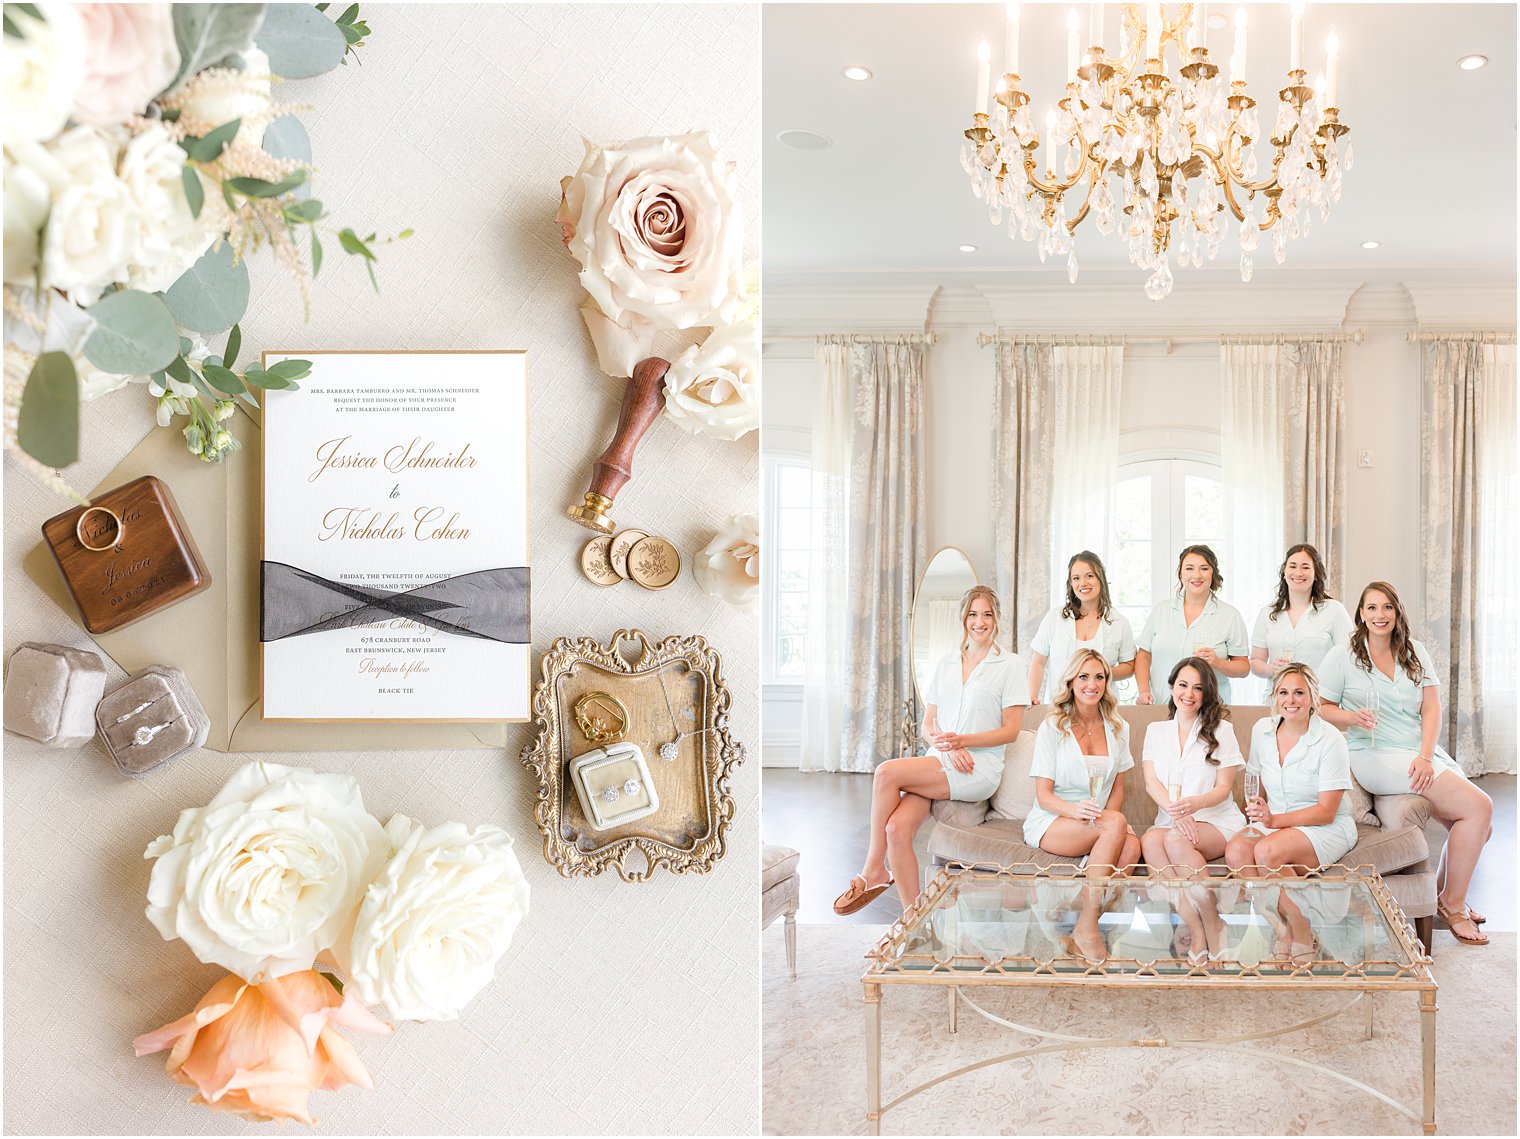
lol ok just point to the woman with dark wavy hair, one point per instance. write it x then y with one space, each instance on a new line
1381 689
1088 620
1193 622
1304 622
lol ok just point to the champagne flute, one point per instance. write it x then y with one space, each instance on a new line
1375 706
1174 786
1252 786
1096 772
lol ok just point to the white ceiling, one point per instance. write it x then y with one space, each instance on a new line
1432 142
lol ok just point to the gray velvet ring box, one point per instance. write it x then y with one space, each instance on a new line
152 718
51 692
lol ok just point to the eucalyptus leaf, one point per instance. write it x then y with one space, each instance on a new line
207 33
260 188
48 425
221 379
212 295
234 346
291 369
350 14
185 374
247 398
195 193
300 41
11 29
316 255
352 242
257 378
208 147
286 137
134 334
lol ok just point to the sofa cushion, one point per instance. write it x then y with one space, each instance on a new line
996 842
1387 851
777 900
958 812
777 863
1015 794
1394 811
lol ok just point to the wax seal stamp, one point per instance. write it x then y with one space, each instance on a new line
643 400
622 542
653 562
596 562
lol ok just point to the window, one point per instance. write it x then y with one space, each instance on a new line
786 535
1163 506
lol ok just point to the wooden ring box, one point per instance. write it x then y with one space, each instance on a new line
154 564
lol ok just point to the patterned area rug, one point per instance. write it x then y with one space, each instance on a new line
815 1055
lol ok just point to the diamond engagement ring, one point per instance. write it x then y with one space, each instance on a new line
144 736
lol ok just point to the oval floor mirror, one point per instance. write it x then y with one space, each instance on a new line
936 612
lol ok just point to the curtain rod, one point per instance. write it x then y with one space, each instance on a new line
983 339
857 338
1483 337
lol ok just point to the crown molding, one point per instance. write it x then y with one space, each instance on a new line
1380 303
792 309
1464 304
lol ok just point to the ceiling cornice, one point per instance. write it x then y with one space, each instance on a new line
1464 305
808 310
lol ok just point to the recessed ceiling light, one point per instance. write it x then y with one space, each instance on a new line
1472 62
968 249
857 73
804 140
1371 244
1217 20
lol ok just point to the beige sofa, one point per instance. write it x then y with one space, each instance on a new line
1390 828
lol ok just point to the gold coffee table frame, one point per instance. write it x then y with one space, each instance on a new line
892 964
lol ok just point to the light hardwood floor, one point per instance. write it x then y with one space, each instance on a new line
824 816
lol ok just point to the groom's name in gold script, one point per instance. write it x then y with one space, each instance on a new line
418 455
358 523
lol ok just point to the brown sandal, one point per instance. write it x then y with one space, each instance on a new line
1475 917
858 896
1451 917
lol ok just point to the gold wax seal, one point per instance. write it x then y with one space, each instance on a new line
602 718
622 542
596 563
653 562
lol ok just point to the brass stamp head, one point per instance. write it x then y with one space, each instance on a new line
592 514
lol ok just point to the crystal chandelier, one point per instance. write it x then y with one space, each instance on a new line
1168 147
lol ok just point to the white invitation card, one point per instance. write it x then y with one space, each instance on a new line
395 566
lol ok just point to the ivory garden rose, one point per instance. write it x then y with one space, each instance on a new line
437 919
714 388
130 56
42 70
729 565
269 873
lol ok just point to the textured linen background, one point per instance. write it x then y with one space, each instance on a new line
620 1007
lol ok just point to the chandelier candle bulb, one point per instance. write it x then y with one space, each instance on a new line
1011 41
1332 68
1238 60
1073 42
1153 31
983 76
1296 38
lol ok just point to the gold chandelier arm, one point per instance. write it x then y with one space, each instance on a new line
1092 184
1056 186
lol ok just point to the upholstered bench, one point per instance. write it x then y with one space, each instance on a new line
780 890
1390 829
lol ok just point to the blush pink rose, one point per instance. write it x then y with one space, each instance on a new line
259 1051
129 57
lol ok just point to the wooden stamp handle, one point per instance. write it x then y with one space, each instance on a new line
643 400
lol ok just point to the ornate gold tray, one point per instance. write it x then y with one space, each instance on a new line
687 835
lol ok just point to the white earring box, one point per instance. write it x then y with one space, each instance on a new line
601 779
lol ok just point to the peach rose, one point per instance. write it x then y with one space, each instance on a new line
129 57
259 1051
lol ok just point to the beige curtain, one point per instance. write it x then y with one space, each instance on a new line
1023 444
1467 529
869 484
1314 460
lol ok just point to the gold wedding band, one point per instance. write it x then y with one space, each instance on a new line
116 539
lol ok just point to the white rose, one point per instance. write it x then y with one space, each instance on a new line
42 72
729 565
93 229
170 240
27 201
269 873
221 94
437 919
656 227
714 388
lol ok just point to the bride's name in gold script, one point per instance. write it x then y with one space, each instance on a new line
428 524
418 455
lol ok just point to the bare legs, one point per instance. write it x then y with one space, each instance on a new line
901 793
1467 814
1174 856
1111 848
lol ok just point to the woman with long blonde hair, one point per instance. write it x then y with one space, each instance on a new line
1079 753
1381 688
973 707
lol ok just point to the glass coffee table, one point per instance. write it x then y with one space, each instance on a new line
1336 933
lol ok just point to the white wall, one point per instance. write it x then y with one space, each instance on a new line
1171 401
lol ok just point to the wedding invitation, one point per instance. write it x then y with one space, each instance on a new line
395 568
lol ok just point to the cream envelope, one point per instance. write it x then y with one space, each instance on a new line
214 636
